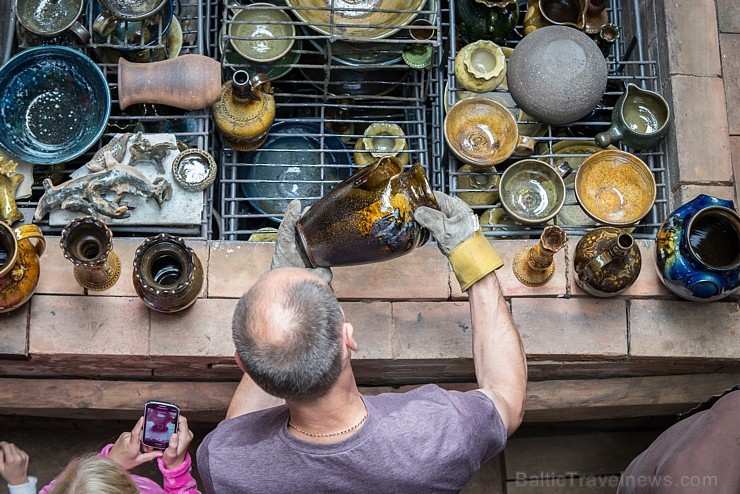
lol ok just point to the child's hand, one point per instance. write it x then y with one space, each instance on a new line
127 449
175 453
13 463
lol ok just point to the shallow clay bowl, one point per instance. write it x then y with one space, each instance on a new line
615 187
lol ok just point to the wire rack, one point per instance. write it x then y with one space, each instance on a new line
331 86
626 63
190 18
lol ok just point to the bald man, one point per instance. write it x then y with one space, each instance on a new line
297 422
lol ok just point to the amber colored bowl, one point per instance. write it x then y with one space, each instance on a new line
615 187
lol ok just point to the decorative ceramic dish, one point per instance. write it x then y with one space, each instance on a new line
194 169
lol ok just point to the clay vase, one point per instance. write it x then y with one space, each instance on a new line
486 19
19 264
168 276
607 261
189 82
88 243
368 217
697 250
245 111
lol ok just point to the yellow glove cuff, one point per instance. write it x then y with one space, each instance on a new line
473 259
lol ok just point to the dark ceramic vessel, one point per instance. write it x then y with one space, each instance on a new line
486 19
168 276
607 261
697 250
368 217
55 103
557 75
88 243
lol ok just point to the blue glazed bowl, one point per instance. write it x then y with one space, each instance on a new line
54 104
289 166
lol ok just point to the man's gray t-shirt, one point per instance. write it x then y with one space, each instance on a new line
428 440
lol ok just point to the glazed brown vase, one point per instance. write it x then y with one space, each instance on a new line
168 276
368 217
189 82
607 261
245 111
19 264
88 243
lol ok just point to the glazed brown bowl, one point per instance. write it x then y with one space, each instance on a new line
615 187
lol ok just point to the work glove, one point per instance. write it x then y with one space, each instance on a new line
459 237
288 250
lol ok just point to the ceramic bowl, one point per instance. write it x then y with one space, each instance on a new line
477 188
531 191
615 187
261 32
557 75
299 160
274 70
194 169
136 34
55 104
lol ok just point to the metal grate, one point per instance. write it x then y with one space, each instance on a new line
626 63
335 81
193 128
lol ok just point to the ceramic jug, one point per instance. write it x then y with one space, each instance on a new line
697 250
486 19
88 243
607 261
245 111
587 16
368 217
168 275
19 264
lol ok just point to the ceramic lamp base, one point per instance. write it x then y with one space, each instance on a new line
528 276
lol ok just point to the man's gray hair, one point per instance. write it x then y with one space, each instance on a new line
306 363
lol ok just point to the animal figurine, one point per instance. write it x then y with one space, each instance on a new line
116 146
9 182
87 194
144 151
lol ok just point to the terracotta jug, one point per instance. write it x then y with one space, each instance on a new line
190 82
19 264
88 243
368 217
607 261
168 276
245 111
697 250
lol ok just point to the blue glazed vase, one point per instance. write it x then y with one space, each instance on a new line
697 250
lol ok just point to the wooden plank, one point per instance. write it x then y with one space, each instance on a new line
547 401
487 480
600 453
601 484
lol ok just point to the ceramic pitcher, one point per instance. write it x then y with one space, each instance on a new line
19 264
368 217
697 250
607 261
168 275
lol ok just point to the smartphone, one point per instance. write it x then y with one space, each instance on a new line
160 422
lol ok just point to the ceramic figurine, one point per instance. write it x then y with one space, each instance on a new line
480 67
9 182
245 111
368 217
607 261
486 19
19 264
87 194
117 148
88 243
697 250
534 266
168 275
144 151
189 82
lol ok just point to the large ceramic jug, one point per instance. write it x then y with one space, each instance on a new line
245 111
697 250
486 19
606 262
19 264
368 217
168 275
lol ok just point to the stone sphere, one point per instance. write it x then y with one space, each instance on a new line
557 75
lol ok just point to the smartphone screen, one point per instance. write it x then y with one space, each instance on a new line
160 422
